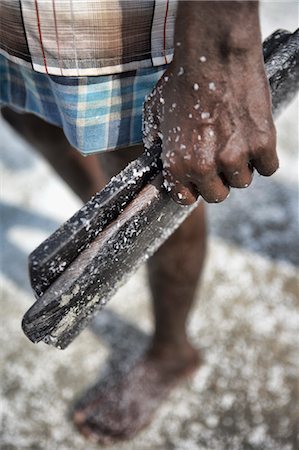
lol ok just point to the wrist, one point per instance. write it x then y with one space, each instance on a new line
222 31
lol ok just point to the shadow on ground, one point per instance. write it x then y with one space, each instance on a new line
14 258
262 219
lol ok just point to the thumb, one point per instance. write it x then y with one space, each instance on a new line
150 122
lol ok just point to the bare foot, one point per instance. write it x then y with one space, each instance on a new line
117 410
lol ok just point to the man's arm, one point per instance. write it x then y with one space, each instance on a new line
212 107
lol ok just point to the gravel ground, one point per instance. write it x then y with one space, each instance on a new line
246 321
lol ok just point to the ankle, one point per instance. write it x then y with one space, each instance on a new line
174 349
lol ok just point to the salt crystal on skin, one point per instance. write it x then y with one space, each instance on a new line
205 115
203 59
181 71
173 105
166 185
190 116
162 100
197 106
178 44
195 86
212 86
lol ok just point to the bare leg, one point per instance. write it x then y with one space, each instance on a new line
119 412
83 175
174 272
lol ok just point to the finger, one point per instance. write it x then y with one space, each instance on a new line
239 178
266 164
183 194
150 123
265 159
213 190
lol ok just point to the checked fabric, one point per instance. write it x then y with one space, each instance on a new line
85 66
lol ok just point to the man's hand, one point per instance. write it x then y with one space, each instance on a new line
212 107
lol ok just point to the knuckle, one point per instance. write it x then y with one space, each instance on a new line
266 142
230 162
203 170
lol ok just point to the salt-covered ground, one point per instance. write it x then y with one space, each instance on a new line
246 321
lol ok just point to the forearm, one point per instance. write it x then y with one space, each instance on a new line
218 45
219 30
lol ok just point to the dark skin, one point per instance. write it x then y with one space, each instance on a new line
223 128
218 45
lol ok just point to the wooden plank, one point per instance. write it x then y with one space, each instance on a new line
57 252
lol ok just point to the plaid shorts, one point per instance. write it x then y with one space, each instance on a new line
96 113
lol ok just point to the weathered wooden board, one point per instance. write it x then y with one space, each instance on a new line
58 251
98 271
137 223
